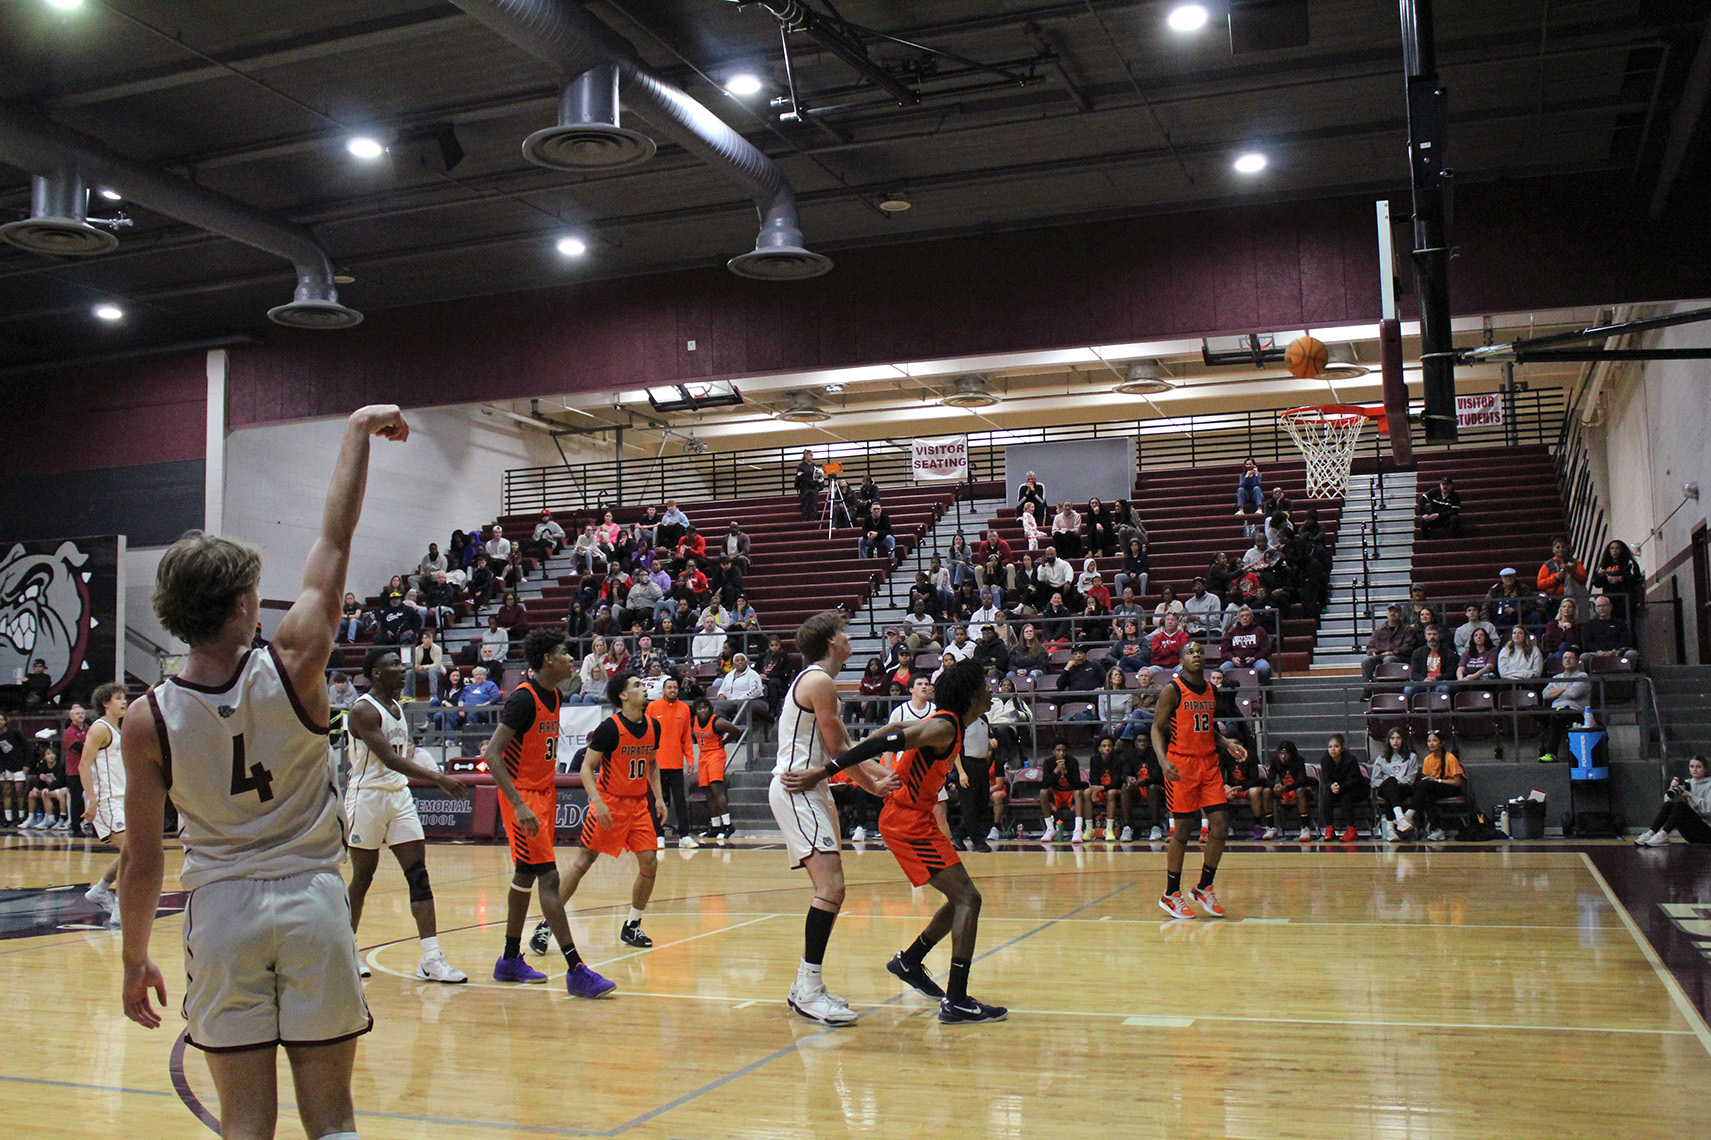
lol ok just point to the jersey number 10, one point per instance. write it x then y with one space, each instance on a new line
257 779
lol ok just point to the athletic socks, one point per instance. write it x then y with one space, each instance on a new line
432 943
817 931
1207 874
514 947
1077 829
918 950
571 956
634 919
957 989
1172 882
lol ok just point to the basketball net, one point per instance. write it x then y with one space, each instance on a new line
1327 439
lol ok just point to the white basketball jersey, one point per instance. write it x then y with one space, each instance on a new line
251 776
107 771
367 769
799 743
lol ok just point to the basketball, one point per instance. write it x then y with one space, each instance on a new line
1305 357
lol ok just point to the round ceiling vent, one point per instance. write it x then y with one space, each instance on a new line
779 263
59 237
315 315
1144 378
970 393
804 409
587 146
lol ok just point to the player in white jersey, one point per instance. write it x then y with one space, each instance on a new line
239 740
381 810
809 730
103 776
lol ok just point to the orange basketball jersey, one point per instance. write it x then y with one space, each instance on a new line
1192 736
531 759
922 778
625 772
708 740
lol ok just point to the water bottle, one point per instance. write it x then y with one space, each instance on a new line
1018 833
1503 820
1586 718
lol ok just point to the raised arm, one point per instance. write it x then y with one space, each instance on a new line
305 637
143 866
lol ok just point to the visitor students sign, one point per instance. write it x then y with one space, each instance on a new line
940 460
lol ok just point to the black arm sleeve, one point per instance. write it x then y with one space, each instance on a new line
519 712
891 740
604 738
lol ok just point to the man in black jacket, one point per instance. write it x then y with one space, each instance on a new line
1440 510
1080 675
808 480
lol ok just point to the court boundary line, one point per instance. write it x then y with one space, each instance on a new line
1686 1008
82 1085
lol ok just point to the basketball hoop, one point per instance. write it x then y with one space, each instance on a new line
1327 435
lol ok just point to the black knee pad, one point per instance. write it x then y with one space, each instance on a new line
417 877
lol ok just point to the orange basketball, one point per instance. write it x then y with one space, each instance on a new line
1305 357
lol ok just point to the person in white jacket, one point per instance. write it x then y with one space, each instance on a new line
1520 659
1394 770
1686 807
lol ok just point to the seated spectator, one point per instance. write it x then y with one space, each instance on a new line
495 648
1220 574
1278 501
1243 782
743 615
1395 769
1440 510
1170 639
693 584
1510 604
1116 701
576 623
617 658
1101 529
1432 666
432 563
1293 788
1279 531
741 694
445 719
341 694
992 544
1035 534
875 683
921 631
48 804
1090 577
593 673
1249 488
645 653
959 561
1606 635
1057 624
481 585
1391 642
1128 605
1054 575
1479 663
1062 792
439 599
960 648
1246 645
1311 528
1135 568
717 611
709 641
1168 604
549 537
397 624
426 661
692 547
1441 777
1008 711
498 547
513 616
1569 692
877 538
1619 576
355 620
672 523
1030 656
1030 492
1685 807
585 551
1474 618
458 552
737 546
1343 788
1558 571
643 600
1130 650
1563 631
1080 676
480 692
1254 556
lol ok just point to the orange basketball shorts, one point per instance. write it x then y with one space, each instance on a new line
632 827
1201 785
1062 800
914 837
536 848
712 766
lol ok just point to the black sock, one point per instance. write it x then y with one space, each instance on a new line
1172 882
571 957
513 948
1207 874
918 949
816 932
957 990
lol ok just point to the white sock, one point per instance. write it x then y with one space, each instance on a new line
807 973
1078 822
725 820
430 945
1398 811
635 916
341 1136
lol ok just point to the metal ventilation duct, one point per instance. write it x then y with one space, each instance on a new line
804 408
560 33
58 225
45 148
1144 378
970 392
588 135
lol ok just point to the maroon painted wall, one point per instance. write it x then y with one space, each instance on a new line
1522 245
105 416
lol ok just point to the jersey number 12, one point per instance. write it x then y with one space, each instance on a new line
1202 722
257 779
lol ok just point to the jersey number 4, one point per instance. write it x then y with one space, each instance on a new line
1202 722
257 779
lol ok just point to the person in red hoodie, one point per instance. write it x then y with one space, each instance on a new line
691 546
1168 642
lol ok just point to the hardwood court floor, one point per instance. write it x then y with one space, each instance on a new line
1351 994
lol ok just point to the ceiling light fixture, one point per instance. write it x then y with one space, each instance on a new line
572 247
365 147
1251 163
743 84
894 203
110 195
65 5
108 312
1188 17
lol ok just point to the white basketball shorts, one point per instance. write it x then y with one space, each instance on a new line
809 820
381 817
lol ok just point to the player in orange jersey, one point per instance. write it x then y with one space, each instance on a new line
620 771
1185 733
712 732
927 749
522 758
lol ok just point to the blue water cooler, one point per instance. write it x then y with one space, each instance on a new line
1589 802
